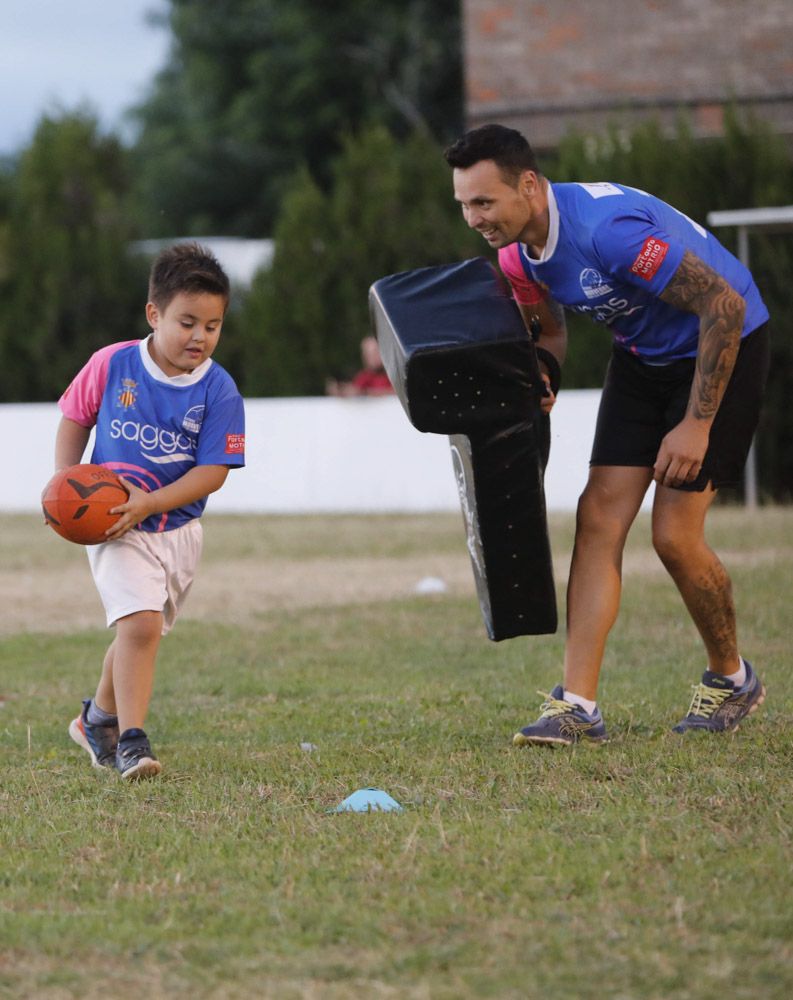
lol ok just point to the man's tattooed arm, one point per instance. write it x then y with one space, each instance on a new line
696 287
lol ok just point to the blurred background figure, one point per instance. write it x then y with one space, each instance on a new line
371 380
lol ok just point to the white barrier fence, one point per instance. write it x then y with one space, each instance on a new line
322 455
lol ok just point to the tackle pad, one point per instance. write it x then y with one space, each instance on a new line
457 352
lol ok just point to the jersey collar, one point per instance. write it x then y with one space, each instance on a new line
553 232
187 378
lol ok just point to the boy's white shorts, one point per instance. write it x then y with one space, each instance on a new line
147 571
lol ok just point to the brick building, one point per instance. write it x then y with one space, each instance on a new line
546 67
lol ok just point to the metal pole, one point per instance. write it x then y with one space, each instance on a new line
750 472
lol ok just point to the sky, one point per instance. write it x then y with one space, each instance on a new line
62 54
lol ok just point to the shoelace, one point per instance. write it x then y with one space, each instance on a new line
552 706
707 699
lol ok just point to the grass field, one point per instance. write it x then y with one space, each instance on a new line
653 867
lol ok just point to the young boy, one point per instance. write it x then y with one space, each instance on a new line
170 421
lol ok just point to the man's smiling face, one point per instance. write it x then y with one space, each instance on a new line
497 209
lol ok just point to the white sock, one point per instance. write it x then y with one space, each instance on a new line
97 716
739 677
576 699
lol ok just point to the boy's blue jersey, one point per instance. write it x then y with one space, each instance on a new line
152 428
611 251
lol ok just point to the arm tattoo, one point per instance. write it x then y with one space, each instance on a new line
696 287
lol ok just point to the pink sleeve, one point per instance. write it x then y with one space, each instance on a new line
83 397
524 290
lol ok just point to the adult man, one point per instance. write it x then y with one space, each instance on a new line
680 402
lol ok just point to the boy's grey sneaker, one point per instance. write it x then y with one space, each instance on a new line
562 723
718 706
134 756
99 741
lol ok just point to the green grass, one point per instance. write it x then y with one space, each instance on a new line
653 867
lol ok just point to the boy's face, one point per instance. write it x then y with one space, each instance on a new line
186 332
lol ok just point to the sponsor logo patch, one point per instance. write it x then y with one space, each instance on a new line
193 419
157 443
593 284
600 189
235 444
650 258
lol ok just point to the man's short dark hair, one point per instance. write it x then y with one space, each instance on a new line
186 267
506 147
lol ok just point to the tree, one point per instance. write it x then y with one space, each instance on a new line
389 209
255 88
68 283
287 321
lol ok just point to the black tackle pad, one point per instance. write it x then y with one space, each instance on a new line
456 350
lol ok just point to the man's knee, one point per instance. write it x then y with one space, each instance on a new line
673 543
597 516
610 501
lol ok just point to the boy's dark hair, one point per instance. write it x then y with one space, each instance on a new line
506 147
186 267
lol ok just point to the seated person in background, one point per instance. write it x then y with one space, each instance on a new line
371 380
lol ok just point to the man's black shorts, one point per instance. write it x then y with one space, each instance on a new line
641 403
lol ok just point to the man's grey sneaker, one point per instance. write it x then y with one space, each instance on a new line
134 756
99 741
562 723
718 706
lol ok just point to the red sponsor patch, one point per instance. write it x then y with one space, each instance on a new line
650 258
235 444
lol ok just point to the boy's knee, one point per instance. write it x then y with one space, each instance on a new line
141 626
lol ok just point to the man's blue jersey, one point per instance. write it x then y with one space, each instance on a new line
152 428
610 253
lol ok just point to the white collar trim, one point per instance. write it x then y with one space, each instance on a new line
553 232
186 378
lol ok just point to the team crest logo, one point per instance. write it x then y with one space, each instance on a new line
593 283
128 393
193 419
